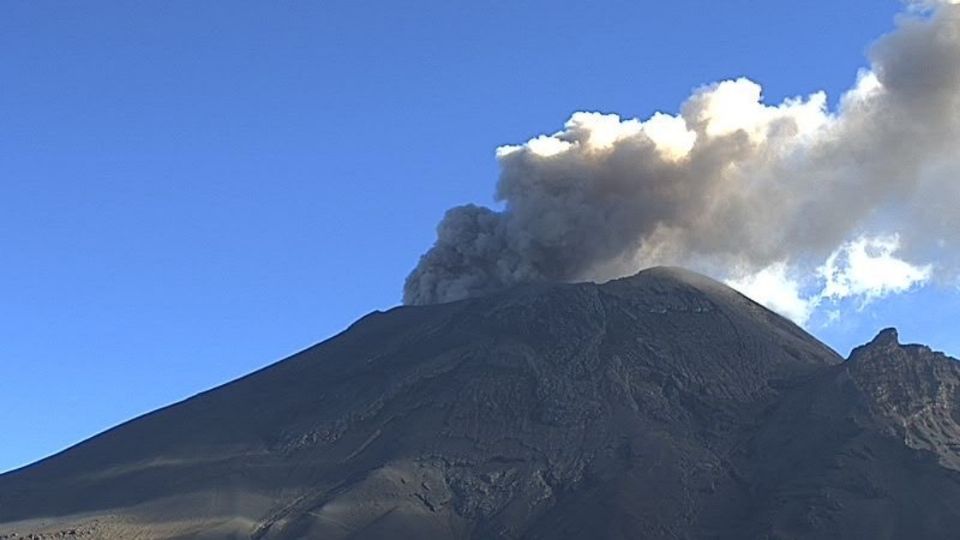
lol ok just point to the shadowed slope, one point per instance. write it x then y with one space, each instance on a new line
653 405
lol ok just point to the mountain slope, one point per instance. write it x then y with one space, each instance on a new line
664 405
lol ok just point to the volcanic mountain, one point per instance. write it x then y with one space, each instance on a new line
664 405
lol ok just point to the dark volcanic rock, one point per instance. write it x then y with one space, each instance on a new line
664 405
867 449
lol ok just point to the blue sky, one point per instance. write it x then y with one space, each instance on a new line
192 190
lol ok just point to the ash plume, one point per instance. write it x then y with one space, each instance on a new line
730 185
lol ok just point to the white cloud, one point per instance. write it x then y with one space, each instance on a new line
774 288
926 5
866 268
737 105
863 270
670 134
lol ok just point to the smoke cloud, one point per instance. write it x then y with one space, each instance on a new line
732 186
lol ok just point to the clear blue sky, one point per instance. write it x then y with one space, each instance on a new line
192 190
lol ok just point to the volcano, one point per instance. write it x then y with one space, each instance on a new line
663 405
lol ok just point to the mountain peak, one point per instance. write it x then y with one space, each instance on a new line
674 274
886 337
885 341
664 402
